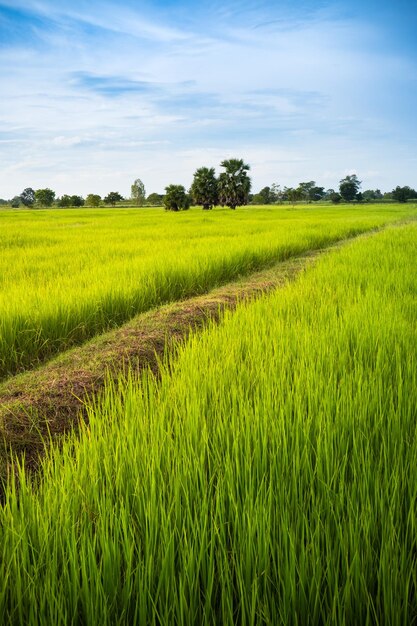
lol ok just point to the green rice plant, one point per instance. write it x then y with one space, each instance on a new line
268 477
66 276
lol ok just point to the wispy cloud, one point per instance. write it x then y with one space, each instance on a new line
111 85
160 88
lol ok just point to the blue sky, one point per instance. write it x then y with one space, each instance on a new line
96 94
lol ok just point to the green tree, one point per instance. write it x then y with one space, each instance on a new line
309 192
93 200
28 196
155 199
256 199
368 195
204 189
77 201
176 198
402 194
335 197
316 193
371 194
64 201
15 202
276 193
265 195
112 198
293 195
234 183
305 190
44 197
138 193
349 187
67 201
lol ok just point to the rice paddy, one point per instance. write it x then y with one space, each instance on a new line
69 275
268 475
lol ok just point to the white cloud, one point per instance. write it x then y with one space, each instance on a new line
66 141
299 99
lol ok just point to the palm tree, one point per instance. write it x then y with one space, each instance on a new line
204 187
234 183
176 198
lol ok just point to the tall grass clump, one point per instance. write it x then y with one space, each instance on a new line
268 477
66 276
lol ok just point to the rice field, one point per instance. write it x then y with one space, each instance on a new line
66 276
268 477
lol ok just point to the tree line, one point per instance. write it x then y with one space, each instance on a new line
349 191
232 188
46 198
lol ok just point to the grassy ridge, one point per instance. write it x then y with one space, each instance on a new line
68 275
269 477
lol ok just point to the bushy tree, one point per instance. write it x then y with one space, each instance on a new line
293 195
371 194
155 199
402 194
234 183
368 195
44 197
93 200
349 187
310 192
77 201
112 198
256 199
176 198
28 196
265 195
15 202
317 193
335 197
204 189
67 201
305 191
276 193
138 193
64 201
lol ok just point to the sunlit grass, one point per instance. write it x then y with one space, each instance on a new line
68 275
269 477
